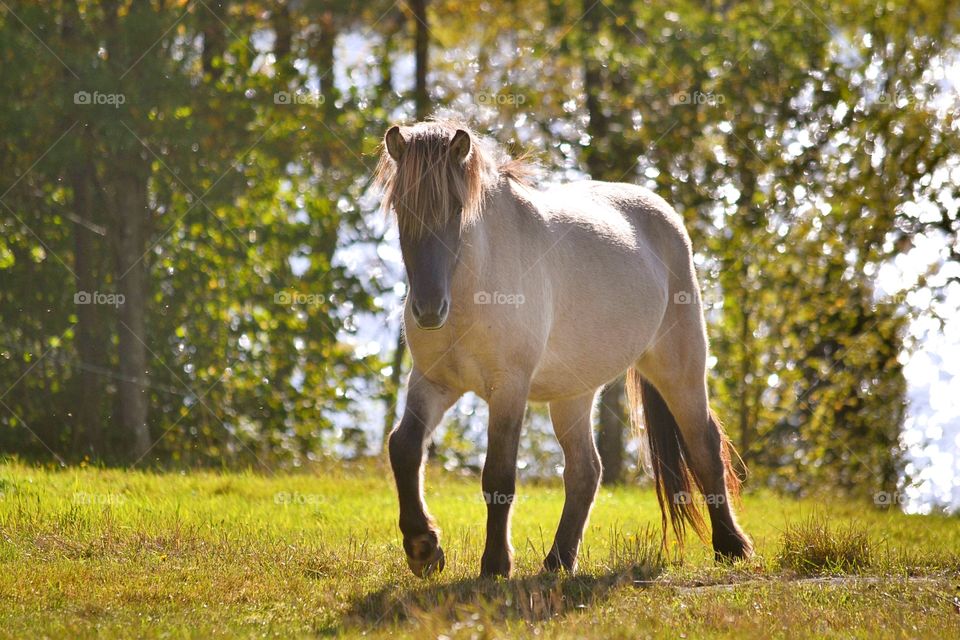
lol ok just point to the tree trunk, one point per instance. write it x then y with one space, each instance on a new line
88 434
422 44
130 217
595 155
213 16
744 408
321 49
283 43
90 338
325 62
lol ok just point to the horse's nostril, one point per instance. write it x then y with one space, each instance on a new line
431 316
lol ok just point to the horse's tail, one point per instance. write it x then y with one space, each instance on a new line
667 457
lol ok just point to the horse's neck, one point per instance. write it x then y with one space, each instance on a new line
484 243
476 249
474 256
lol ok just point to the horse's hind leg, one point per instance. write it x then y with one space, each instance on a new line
426 404
581 477
676 366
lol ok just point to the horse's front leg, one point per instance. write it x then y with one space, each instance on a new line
500 476
426 404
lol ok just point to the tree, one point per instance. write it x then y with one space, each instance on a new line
218 179
207 181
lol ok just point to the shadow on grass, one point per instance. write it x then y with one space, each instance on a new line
634 559
531 598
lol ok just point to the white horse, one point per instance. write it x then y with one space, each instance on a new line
517 294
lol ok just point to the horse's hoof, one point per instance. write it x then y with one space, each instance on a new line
496 566
731 547
429 558
553 563
426 568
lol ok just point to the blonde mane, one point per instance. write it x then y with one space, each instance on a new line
426 185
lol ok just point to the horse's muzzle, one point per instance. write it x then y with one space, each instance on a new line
431 319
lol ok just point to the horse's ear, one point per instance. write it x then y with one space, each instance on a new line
460 145
395 143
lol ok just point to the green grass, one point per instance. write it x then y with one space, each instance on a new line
109 553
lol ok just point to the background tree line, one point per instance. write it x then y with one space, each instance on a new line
208 163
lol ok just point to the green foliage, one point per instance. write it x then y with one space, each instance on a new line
249 361
800 143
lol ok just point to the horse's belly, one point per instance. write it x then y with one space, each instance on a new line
573 375
565 382
595 349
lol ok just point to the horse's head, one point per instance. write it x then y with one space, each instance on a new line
432 177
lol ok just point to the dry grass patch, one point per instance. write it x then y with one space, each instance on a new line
813 547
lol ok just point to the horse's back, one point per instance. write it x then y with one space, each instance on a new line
615 251
601 204
619 220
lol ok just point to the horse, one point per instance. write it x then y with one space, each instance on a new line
520 294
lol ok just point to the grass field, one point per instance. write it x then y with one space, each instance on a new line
110 553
